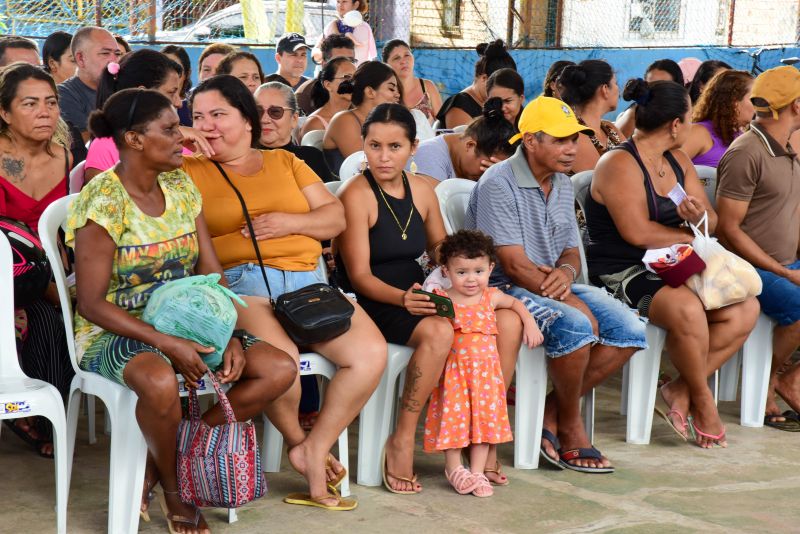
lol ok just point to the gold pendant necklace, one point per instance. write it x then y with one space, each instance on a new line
661 172
403 229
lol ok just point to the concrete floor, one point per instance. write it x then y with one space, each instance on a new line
667 486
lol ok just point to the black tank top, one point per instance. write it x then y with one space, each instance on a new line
392 259
607 252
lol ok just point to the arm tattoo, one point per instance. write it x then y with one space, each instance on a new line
411 389
13 168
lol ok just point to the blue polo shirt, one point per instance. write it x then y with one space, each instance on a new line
509 205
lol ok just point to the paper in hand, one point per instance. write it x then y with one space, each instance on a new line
677 194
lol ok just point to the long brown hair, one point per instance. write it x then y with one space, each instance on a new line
718 101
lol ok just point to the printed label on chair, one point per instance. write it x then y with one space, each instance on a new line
201 385
305 365
14 407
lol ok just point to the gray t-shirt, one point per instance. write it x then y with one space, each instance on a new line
433 159
508 204
76 100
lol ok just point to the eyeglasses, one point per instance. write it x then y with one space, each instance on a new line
274 112
345 77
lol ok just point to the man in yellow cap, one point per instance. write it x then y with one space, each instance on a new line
758 207
526 204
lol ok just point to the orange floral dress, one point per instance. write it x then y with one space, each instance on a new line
469 405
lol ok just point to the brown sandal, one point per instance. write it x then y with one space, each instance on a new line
386 474
496 471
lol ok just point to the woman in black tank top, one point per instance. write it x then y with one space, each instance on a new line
628 211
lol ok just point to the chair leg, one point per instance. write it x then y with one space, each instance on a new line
272 447
344 459
642 385
756 366
588 414
73 410
128 460
60 446
90 415
529 410
623 399
729 377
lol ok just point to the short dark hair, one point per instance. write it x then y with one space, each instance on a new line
54 47
183 57
335 40
13 41
493 56
491 131
669 66
275 77
468 244
508 78
142 68
235 93
226 65
116 117
122 42
579 83
389 113
657 103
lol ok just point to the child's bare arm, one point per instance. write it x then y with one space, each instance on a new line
531 335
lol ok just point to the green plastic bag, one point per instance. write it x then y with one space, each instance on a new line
197 308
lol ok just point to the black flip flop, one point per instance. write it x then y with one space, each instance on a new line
553 439
792 415
789 425
589 453
36 444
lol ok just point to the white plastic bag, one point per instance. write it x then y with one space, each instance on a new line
727 278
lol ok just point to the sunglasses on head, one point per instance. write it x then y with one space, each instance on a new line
274 112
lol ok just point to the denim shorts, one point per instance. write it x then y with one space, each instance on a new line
568 329
247 280
780 298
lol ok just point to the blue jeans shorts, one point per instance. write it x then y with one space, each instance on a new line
566 329
247 280
780 298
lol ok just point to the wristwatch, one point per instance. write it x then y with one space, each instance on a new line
240 334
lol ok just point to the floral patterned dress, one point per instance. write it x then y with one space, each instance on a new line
469 406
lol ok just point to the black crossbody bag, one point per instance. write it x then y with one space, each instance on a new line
312 314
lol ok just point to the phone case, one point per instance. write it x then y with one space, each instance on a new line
444 306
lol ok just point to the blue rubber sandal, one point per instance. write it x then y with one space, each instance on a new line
589 453
553 439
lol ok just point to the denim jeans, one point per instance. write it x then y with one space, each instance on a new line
566 329
247 280
780 298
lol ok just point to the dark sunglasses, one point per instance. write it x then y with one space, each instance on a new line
274 112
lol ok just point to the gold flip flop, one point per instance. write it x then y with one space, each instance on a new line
385 473
304 499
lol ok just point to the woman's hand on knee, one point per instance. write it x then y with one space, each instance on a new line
185 357
232 362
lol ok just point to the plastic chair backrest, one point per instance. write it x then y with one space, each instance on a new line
51 220
453 195
424 128
313 138
351 166
334 186
708 177
76 177
9 364
460 128
437 125
581 182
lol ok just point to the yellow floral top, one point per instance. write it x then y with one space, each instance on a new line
150 250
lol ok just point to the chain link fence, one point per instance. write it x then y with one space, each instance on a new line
427 23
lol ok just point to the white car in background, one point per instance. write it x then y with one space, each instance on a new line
227 25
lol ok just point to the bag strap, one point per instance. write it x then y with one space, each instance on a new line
703 223
224 403
249 228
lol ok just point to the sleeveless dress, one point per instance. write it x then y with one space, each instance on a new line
469 406
424 104
392 260
717 150
615 263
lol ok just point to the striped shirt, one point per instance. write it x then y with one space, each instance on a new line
509 205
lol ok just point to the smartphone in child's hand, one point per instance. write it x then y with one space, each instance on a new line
444 306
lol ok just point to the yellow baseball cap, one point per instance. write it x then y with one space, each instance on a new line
551 116
779 87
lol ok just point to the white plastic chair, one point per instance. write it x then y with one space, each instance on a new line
313 138
21 396
460 128
424 128
531 368
351 166
708 177
453 195
128 448
640 374
334 186
76 177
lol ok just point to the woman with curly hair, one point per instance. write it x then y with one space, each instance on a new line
722 112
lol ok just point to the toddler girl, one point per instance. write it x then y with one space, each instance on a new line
469 406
